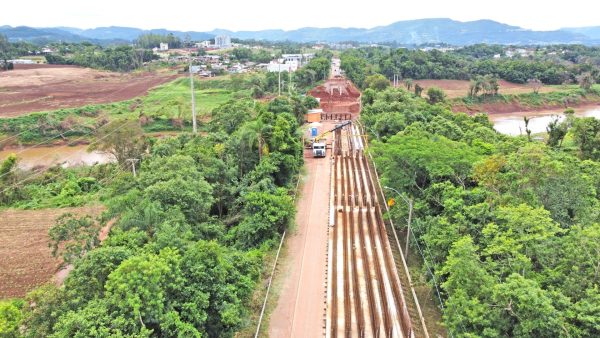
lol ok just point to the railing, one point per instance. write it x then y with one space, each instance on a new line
335 116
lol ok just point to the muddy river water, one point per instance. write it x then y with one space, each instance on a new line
513 124
510 124
66 156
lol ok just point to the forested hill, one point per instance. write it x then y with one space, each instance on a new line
422 31
402 32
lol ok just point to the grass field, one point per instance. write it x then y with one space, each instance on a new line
161 106
174 99
26 261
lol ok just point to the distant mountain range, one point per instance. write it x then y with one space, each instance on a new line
412 32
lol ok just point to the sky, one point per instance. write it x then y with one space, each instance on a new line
205 15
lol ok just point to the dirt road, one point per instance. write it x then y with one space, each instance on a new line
300 309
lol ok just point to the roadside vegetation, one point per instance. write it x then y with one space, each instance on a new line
190 231
508 228
567 73
164 108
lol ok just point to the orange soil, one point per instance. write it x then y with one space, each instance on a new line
26 260
32 88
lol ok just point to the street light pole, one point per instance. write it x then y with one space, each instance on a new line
409 202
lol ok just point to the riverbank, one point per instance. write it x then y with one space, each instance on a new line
530 102
513 123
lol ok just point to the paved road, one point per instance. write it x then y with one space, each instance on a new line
300 310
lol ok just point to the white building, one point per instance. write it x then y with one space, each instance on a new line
299 58
203 44
22 62
282 67
223 41
164 46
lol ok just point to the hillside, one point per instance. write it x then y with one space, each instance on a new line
591 32
421 31
412 32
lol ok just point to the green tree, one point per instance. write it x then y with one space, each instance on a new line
435 95
10 318
377 82
5 51
141 286
413 160
586 81
123 139
586 133
518 238
267 216
468 286
556 133
527 310
355 69
418 90
72 237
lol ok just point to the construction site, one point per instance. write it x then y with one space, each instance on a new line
338 95
347 276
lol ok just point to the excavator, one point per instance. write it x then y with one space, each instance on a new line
319 147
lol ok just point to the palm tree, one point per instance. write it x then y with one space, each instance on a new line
251 136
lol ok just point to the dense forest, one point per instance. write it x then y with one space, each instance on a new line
149 41
121 58
551 65
189 232
508 228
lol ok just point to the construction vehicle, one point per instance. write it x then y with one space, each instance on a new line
319 147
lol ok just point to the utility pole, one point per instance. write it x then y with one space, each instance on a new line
133 161
410 212
279 82
194 126
188 40
290 82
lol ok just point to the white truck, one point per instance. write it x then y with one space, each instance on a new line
319 149
319 146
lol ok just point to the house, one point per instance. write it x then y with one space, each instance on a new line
292 57
204 44
210 58
163 46
282 67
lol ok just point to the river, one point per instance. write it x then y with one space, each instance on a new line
513 124
68 156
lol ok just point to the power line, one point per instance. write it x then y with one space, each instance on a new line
48 114
56 149
61 134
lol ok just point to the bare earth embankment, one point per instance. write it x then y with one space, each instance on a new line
459 88
32 88
456 89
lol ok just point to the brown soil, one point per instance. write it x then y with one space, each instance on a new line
25 259
459 88
31 88
338 95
